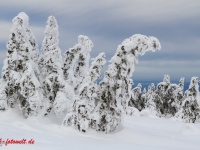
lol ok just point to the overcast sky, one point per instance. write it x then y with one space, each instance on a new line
108 22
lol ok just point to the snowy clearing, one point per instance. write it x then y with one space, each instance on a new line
138 133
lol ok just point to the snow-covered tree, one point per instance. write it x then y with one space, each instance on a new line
190 110
150 105
137 91
35 52
30 90
82 63
138 101
19 73
70 59
152 87
164 97
114 87
51 66
143 100
82 115
178 93
144 91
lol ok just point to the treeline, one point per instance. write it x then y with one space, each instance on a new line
169 100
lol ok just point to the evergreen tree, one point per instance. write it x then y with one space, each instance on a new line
82 63
150 105
33 42
31 99
144 91
51 66
114 87
164 97
81 115
76 62
143 100
19 83
137 91
128 100
152 87
178 94
70 59
139 101
190 110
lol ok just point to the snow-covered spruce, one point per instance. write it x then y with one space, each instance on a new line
143 100
144 91
70 59
50 47
150 106
33 42
190 110
52 74
114 89
164 97
178 93
138 98
82 113
19 83
82 63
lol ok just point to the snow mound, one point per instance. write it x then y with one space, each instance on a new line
148 113
189 129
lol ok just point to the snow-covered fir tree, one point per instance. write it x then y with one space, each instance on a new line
178 93
128 100
114 87
70 59
50 62
150 105
76 62
30 90
19 83
137 91
143 100
82 115
164 97
144 91
138 100
33 42
190 110
152 87
82 63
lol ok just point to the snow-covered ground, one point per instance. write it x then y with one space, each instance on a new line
137 133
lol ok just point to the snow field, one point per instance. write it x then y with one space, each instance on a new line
138 133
